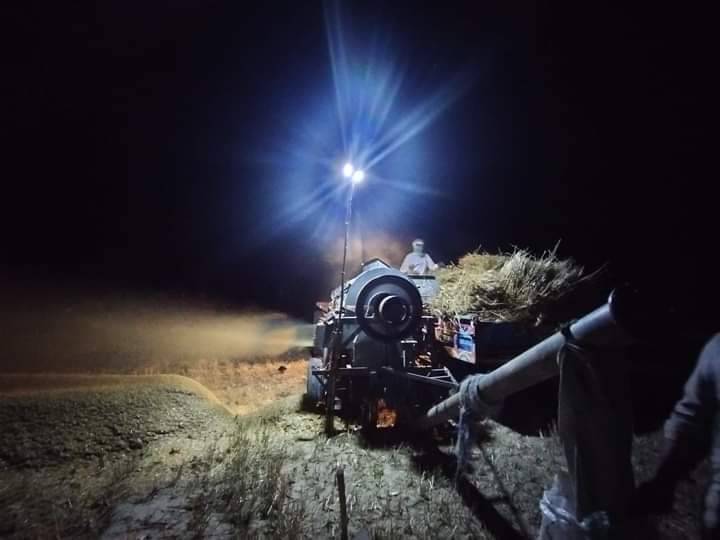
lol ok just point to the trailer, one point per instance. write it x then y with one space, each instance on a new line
387 358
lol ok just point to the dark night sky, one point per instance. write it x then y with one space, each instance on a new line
156 145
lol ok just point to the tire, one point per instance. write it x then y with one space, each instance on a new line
314 391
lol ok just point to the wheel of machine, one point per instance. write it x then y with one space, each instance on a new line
314 388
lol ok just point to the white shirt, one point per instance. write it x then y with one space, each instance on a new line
417 264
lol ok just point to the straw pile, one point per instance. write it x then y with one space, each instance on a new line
507 287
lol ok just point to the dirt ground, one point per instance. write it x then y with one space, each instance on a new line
125 418
161 456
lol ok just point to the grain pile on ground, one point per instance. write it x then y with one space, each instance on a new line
74 447
245 387
247 359
506 287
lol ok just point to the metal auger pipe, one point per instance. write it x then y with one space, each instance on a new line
599 328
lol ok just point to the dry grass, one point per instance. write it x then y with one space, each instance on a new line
505 287
244 483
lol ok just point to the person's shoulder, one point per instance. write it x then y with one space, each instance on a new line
713 345
709 361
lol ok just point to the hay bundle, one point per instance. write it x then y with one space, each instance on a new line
507 287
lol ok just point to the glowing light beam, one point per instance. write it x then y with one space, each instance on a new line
418 120
358 176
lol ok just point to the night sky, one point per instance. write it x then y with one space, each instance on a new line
177 146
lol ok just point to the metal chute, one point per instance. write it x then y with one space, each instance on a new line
387 305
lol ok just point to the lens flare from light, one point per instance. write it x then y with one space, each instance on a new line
367 85
370 120
358 176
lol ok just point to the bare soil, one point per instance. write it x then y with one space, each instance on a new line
161 456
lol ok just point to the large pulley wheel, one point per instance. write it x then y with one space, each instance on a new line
388 307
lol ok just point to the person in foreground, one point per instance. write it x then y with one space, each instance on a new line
691 432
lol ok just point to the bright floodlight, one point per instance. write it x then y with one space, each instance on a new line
358 176
348 170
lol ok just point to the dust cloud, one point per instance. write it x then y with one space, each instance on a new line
58 331
378 245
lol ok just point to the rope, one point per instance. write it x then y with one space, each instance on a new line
472 409
465 430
